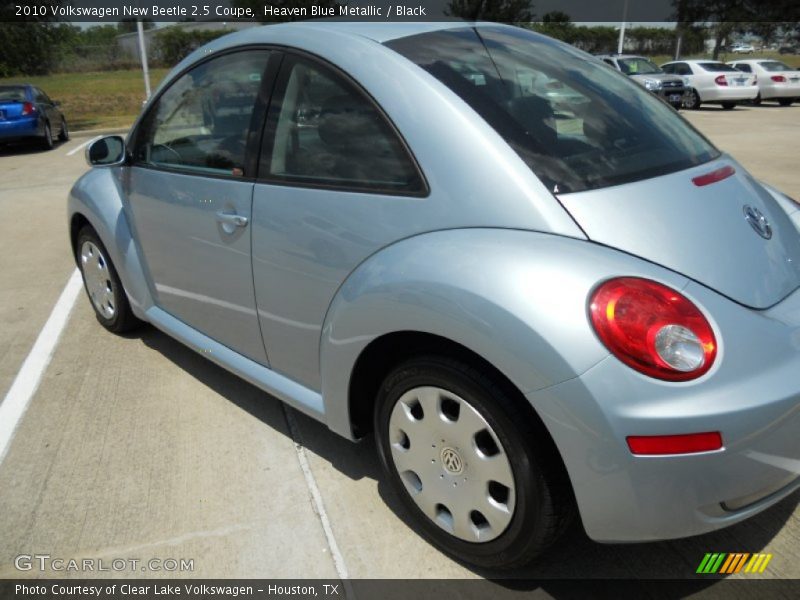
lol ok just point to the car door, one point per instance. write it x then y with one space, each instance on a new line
336 183
46 106
190 190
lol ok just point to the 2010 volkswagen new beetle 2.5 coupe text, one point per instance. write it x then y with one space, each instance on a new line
539 309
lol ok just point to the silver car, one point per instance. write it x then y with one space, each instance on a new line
595 313
646 73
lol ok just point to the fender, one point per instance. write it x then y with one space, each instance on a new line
516 298
110 221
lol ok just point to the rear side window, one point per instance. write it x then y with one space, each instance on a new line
326 132
714 67
200 124
744 68
576 125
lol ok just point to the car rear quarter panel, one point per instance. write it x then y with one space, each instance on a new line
518 299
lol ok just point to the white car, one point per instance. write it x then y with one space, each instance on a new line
743 49
776 80
713 82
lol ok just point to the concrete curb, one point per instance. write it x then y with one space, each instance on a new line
93 132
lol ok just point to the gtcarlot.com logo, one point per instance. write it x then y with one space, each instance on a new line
728 563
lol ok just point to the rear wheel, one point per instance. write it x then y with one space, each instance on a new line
102 284
47 139
757 100
477 472
728 105
63 135
786 101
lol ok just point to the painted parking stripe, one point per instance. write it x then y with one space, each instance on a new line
83 145
30 374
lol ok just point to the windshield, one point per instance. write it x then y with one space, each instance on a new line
714 67
638 66
774 65
12 94
596 130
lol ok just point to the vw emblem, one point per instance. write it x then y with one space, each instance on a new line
452 461
757 221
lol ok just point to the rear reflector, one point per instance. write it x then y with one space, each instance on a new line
714 176
675 444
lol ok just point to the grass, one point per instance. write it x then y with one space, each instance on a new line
99 100
112 99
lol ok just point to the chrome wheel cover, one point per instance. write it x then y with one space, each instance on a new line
97 277
452 463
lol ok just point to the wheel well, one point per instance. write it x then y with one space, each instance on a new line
77 223
386 352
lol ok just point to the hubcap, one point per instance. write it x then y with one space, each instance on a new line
98 280
452 463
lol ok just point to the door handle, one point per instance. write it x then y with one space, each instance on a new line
231 219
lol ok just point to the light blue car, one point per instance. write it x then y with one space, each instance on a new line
537 313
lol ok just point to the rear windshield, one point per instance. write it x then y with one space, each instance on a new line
774 65
577 124
638 66
717 67
12 94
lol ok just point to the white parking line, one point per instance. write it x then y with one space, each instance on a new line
83 145
30 374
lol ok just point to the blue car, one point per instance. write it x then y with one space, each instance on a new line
26 113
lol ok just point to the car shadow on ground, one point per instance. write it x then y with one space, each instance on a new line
575 556
23 148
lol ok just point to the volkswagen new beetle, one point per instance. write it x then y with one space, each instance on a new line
539 308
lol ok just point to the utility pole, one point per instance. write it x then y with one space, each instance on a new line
143 57
621 42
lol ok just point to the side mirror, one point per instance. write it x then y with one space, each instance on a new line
108 151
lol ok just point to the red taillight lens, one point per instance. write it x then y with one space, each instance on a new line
721 80
28 109
675 444
778 78
714 176
653 328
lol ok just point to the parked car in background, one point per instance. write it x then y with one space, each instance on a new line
742 49
528 319
713 82
646 73
27 113
776 80
789 49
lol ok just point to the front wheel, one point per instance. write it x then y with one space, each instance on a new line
477 472
786 101
728 105
63 135
102 284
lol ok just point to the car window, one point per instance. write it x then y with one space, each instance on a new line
12 94
326 132
715 67
774 65
609 62
679 69
638 66
200 123
743 67
41 97
576 126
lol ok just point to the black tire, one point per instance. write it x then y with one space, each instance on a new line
728 105
63 135
123 319
544 503
785 101
757 100
47 139
692 101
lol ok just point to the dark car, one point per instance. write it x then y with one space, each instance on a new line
27 113
668 87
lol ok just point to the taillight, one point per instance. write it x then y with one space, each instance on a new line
28 109
721 80
778 78
653 328
675 444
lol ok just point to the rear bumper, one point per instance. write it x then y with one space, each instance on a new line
19 129
729 93
751 396
780 91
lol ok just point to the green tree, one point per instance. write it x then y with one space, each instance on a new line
28 48
501 11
